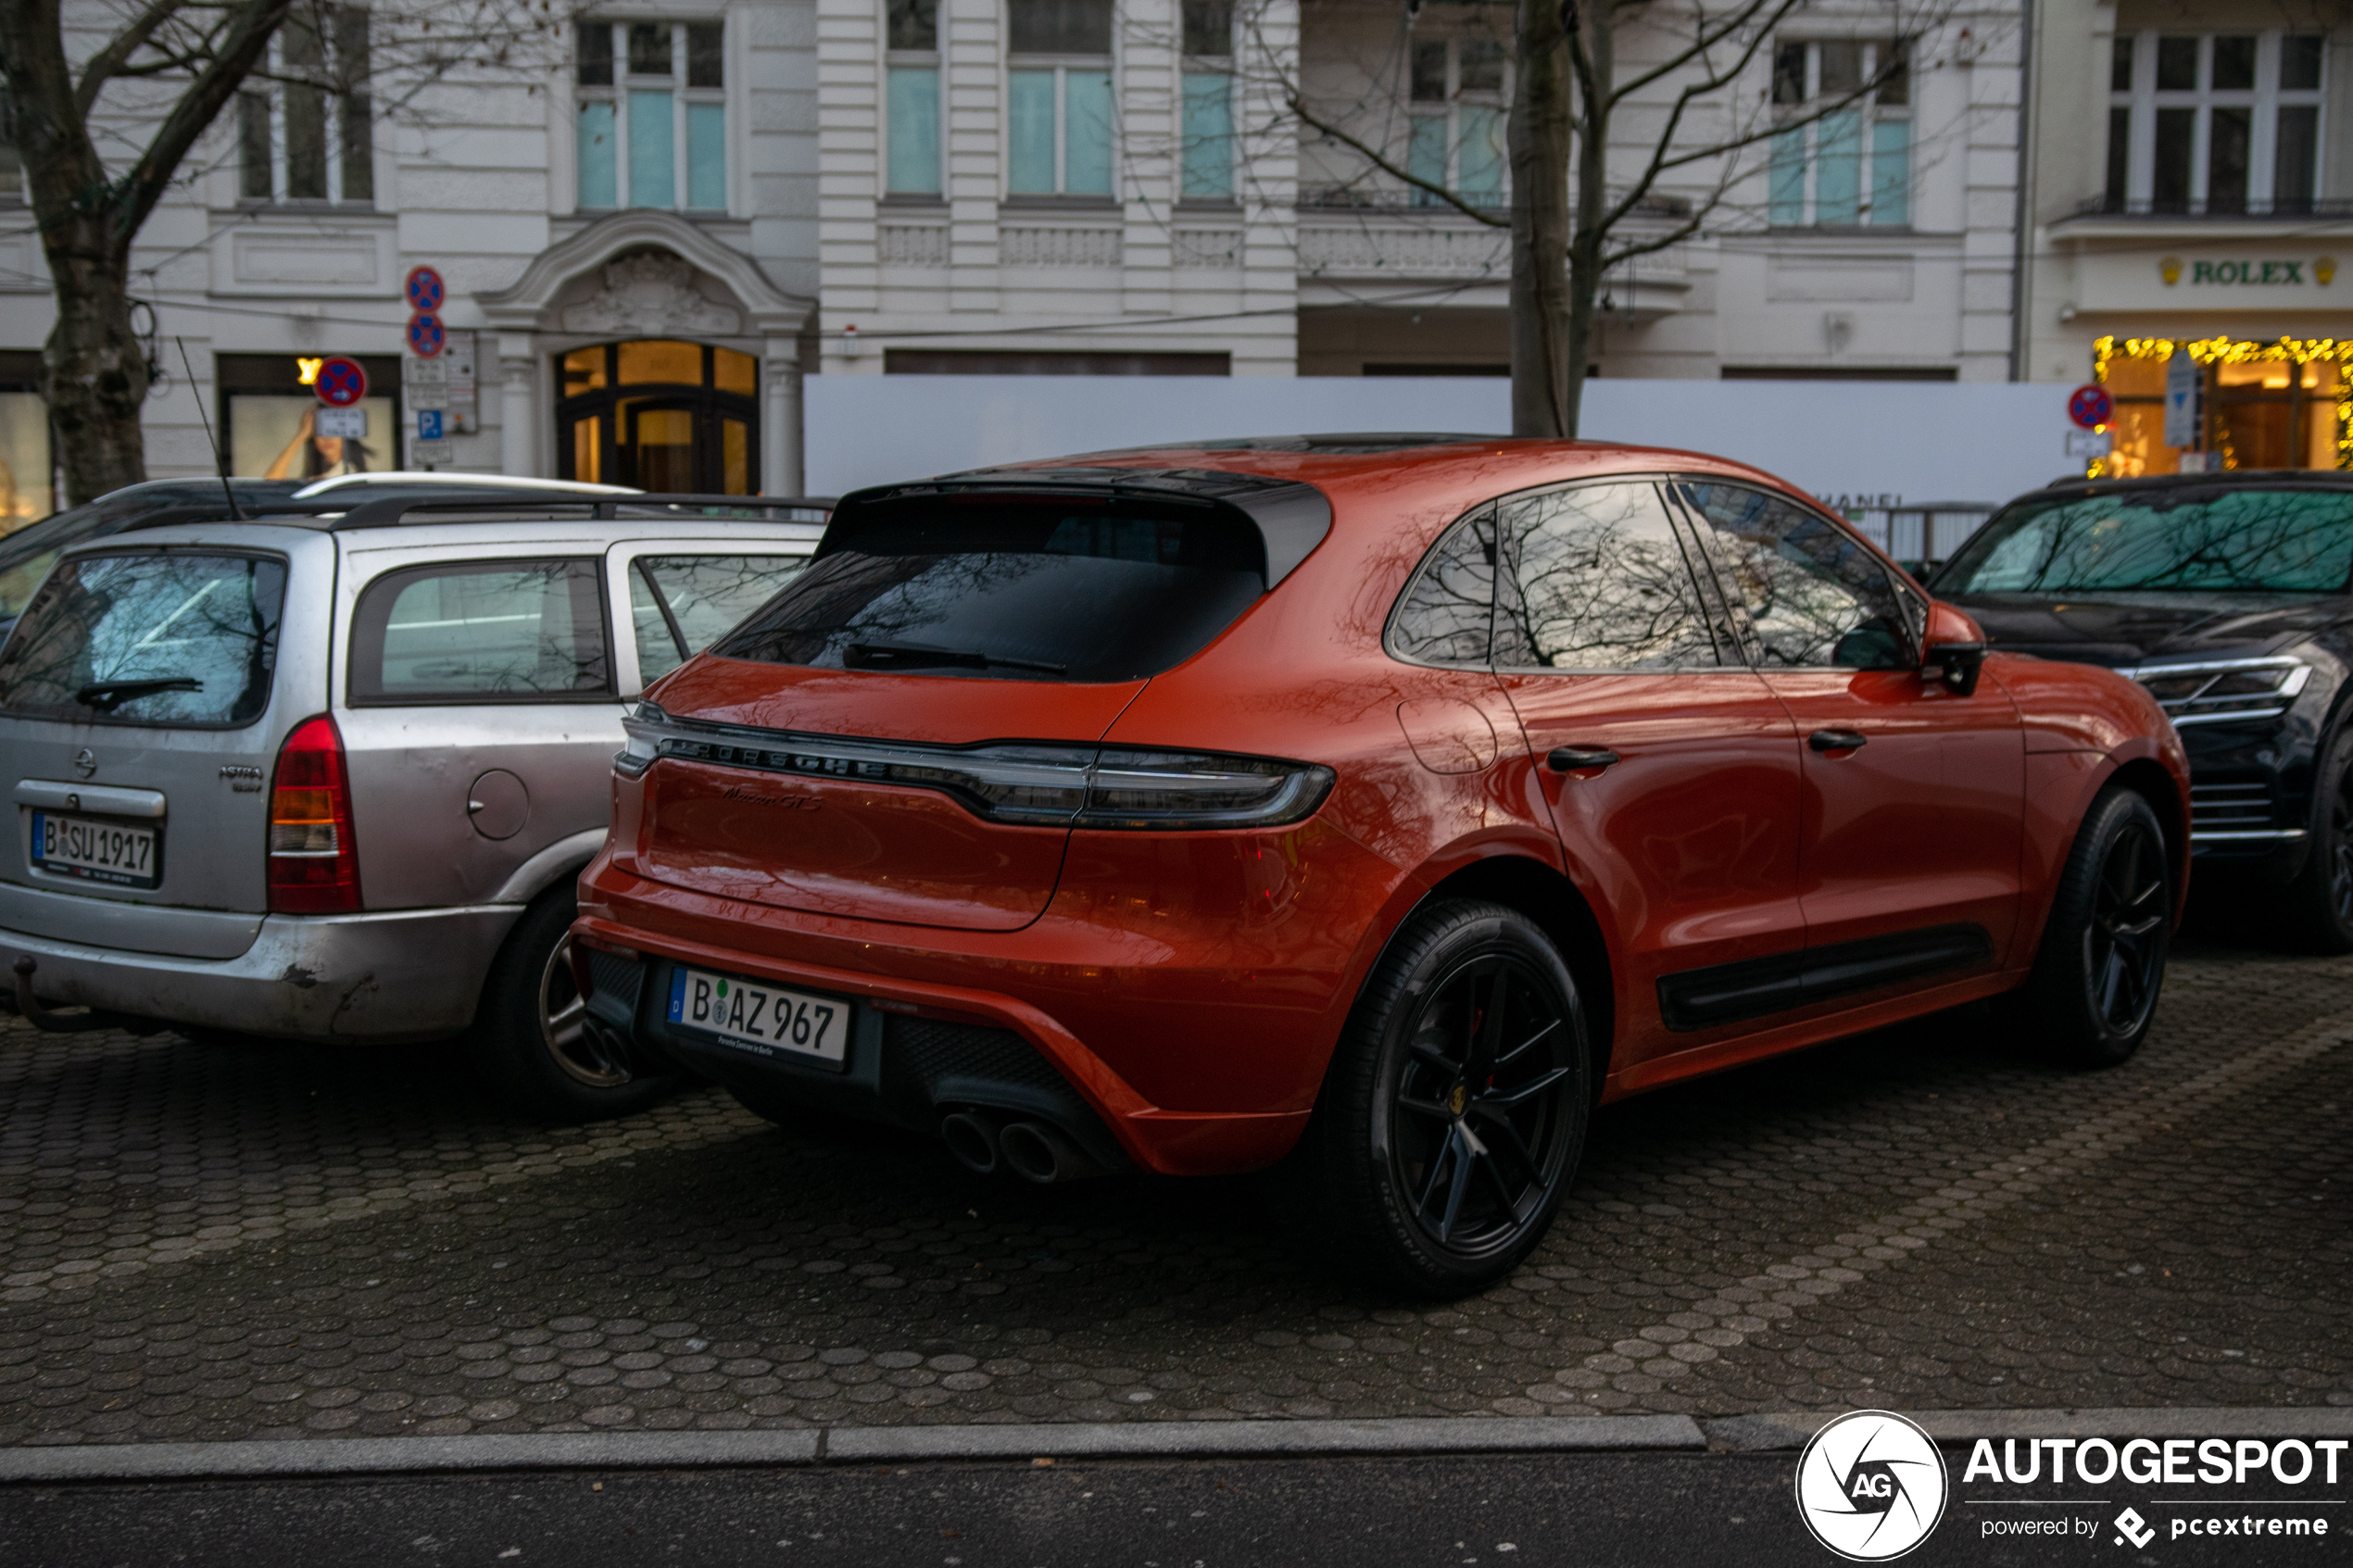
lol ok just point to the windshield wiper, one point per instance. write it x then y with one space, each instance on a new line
107 696
905 656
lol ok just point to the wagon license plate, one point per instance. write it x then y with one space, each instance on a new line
96 850
764 1020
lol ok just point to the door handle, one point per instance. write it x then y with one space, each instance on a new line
1576 758
1836 740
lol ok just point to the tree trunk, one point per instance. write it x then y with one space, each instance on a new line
1587 235
1542 395
95 367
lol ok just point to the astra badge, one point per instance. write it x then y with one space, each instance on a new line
1871 1485
85 761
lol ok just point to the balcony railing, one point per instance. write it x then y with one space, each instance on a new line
2222 211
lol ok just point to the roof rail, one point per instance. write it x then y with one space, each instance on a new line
391 510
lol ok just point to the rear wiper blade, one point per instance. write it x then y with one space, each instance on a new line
906 656
107 696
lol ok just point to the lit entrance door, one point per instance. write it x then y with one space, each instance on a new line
661 415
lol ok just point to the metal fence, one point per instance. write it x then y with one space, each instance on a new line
1923 536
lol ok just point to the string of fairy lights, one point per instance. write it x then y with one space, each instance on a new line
2297 351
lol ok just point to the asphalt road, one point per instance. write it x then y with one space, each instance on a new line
1503 1512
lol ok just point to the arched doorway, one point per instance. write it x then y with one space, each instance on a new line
659 414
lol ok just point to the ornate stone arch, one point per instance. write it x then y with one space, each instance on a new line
641 262
644 273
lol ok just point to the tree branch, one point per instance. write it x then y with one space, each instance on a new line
243 44
115 57
1378 160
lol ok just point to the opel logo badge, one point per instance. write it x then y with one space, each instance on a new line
85 761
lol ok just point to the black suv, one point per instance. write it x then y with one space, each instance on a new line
2231 597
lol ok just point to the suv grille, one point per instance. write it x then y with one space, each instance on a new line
2229 807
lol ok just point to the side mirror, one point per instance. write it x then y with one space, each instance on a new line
1955 649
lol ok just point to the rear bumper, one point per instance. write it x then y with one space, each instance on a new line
922 1048
401 976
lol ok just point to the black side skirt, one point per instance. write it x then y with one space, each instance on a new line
1701 999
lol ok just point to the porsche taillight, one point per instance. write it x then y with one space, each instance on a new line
314 862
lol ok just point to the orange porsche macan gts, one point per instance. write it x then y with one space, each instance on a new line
1371 806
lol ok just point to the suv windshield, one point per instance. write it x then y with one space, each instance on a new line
148 639
2204 539
1036 588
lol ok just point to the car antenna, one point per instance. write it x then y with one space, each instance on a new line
219 461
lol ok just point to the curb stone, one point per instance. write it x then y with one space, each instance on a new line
657 1450
1752 1434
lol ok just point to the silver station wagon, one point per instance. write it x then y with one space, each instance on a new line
331 778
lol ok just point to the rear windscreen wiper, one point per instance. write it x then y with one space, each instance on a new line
902 656
107 696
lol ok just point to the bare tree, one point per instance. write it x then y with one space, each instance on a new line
105 129
1573 192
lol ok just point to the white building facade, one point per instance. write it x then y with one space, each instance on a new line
1041 185
2192 195
649 243
627 238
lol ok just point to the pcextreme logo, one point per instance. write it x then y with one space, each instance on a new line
1871 1485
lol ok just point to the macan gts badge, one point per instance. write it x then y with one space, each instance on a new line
1368 808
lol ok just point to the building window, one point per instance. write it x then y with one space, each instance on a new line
11 161
1846 159
1058 99
911 90
307 135
1206 167
269 416
24 461
653 115
2214 122
1455 127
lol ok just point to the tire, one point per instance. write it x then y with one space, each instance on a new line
2317 914
2097 975
1419 1170
529 1043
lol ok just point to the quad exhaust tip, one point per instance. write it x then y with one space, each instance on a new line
984 1142
1036 1152
972 1137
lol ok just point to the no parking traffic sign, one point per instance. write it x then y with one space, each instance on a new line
424 290
341 382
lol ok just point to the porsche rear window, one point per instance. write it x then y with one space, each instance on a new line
1030 589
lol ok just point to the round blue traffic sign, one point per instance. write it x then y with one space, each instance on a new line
341 382
2090 406
425 336
424 289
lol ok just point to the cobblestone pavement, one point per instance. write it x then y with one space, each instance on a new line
208 1241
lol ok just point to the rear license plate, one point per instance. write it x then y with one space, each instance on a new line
766 1019
96 850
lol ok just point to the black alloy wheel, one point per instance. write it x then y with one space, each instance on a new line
1455 1112
2124 941
2096 977
1475 1124
2319 907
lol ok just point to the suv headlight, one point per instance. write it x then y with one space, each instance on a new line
2223 691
